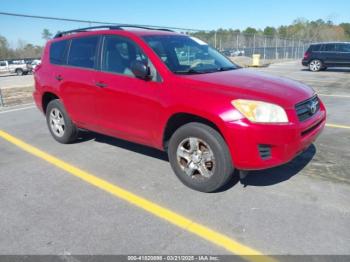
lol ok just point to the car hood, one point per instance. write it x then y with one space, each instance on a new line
249 84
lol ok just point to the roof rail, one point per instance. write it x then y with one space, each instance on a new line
85 29
108 27
145 27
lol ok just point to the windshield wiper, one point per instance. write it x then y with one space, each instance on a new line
193 71
226 68
189 72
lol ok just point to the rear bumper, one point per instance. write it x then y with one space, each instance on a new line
305 62
38 100
285 141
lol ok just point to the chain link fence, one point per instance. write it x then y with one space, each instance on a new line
268 47
239 47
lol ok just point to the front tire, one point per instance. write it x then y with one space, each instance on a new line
200 157
60 125
315 65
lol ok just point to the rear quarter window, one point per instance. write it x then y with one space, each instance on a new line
315 48
57 52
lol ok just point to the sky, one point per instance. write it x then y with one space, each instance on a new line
196 14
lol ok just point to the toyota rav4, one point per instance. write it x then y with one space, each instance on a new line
175 93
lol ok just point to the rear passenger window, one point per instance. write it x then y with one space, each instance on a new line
83 52
329 47
57 52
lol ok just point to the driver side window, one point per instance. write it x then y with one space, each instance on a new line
118 54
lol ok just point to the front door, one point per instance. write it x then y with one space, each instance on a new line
126 106
343 54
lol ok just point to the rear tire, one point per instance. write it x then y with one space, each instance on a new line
19 72
60 125
315 65
200 157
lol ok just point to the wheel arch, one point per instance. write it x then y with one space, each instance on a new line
181 118
47 97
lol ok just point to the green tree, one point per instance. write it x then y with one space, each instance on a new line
270 31
46 34
250 31
346 28
282 31
5 51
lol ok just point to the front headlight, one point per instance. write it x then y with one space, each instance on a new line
260 112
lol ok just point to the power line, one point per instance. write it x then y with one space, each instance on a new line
91 21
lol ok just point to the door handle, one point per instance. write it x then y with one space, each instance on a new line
59 78
101 85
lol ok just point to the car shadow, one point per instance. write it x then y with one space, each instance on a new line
282 173
333 69
7 75
137 148
259 178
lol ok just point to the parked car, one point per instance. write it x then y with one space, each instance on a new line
19 68
210 116
237 52
35 63
323 55
233 52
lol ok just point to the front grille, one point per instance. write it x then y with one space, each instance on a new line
307 108
264 151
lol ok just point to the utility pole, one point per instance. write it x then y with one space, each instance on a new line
1 100
265 47
276 54
254 44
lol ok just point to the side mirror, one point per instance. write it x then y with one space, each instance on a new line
141 70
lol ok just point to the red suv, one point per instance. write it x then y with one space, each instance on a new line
176 93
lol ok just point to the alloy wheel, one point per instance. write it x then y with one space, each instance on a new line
315 65
196 158
57 123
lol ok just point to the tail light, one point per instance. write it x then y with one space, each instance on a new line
306 55
36 68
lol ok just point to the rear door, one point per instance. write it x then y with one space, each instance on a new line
330 57
77 80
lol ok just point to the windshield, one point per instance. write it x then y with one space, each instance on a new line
188 55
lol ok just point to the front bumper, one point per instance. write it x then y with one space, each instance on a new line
285 141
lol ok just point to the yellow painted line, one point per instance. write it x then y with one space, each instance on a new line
338 126
174 218
343 96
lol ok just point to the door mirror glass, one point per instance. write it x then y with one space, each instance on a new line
141 70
